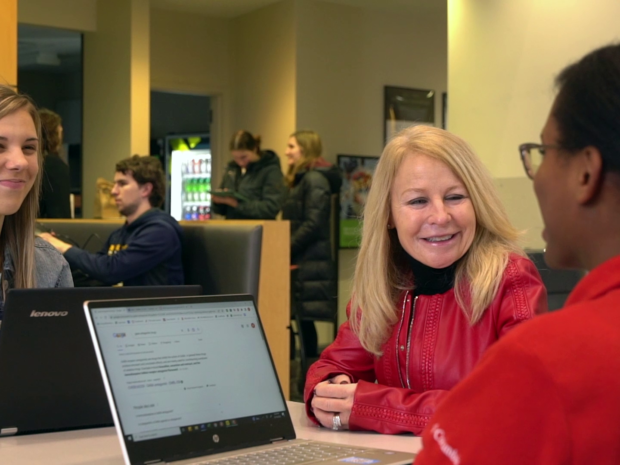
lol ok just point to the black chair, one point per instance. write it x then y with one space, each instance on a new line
559 283
223 259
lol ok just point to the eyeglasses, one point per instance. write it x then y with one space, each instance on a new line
532 156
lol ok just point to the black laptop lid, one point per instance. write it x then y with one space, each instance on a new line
49 378
188 376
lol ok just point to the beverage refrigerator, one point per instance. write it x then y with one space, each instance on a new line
189 177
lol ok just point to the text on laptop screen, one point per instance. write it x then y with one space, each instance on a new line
180 368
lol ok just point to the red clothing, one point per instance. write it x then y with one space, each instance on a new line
415 373
547 394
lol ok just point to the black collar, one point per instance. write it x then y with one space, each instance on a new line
430 281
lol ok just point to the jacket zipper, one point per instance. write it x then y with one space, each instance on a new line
415 300
400 327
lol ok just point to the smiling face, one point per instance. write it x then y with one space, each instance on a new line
244 157
293 151
431 211
19 163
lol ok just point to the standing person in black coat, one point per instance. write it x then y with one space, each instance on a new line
56 187
252 187
311 181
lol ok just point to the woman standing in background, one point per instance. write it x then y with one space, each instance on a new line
56 189
311 181
252 187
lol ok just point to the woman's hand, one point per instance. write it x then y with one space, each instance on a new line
334 397
230 201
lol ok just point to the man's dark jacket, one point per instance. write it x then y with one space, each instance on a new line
146 252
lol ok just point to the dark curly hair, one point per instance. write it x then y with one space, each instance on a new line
145 170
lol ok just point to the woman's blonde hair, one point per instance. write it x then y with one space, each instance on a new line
311 149
17 235
382 272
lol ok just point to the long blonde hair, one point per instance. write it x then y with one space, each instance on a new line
381 272
17 235
311 149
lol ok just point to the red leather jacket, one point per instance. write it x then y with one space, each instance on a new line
416 372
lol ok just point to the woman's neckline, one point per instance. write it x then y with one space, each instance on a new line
431 281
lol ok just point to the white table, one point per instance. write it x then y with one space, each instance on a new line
101 447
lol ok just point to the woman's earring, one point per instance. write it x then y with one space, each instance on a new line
389 226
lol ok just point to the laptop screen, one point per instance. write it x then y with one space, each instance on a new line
188 367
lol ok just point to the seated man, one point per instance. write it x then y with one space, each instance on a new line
146 250
549 392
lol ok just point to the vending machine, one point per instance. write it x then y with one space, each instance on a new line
190 182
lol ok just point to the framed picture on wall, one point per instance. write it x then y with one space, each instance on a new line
404 107
357 173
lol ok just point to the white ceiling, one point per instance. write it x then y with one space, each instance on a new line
233 8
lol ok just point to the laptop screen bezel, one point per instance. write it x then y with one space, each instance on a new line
186 446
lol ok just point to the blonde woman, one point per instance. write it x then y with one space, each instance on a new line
311 181
26 262
439 278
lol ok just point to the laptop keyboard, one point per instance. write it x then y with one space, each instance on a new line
289 454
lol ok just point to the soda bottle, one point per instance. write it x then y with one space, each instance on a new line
187 213
201 213
186 190
203 190
192 186
196 190
194 213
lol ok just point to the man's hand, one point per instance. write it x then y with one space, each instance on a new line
59 245
331 397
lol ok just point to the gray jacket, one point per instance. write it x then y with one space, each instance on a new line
51 268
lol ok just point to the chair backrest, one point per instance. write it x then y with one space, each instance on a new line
87 235
559 283
223 259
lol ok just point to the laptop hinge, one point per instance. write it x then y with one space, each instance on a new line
8 431
277 440
153 461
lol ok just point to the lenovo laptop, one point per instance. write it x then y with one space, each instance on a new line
49 377
192 380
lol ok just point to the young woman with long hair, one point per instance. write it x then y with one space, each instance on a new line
26 262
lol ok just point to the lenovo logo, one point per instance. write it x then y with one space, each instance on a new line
35 314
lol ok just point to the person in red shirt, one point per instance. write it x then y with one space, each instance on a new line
549 393
439 278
